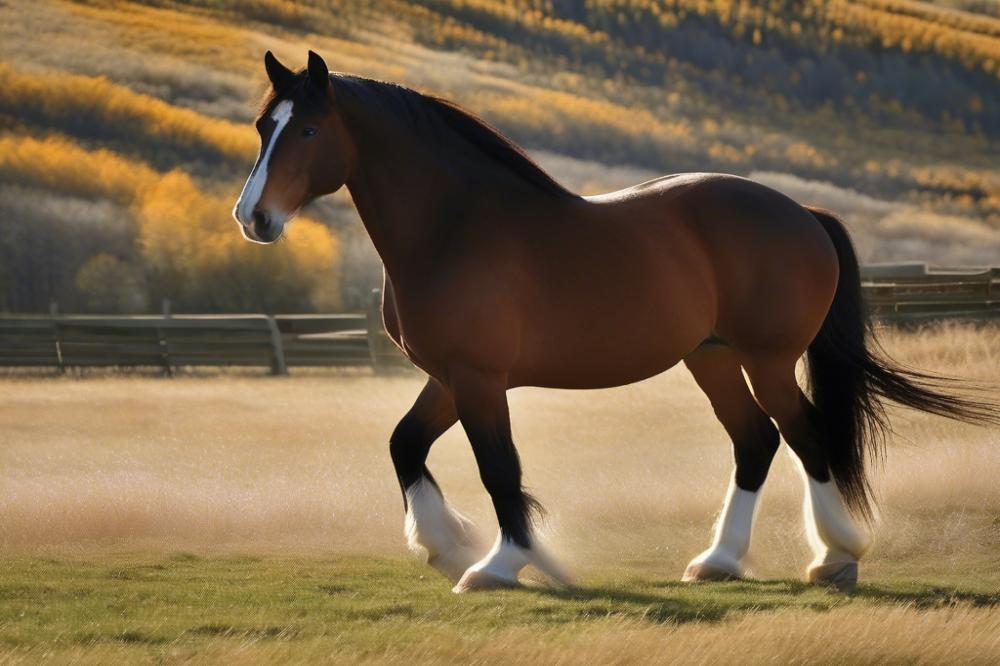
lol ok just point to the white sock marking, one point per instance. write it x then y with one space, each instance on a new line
254 186
732 531
833 535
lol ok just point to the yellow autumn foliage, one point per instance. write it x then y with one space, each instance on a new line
171 30
559 113
911 26
186 236
59 164
58 96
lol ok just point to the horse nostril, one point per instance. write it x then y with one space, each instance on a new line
264 228
260 220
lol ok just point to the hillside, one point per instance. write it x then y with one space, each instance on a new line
125 133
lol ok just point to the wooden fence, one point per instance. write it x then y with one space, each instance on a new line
915 293
168 342
899 294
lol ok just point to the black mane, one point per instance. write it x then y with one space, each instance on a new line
428 115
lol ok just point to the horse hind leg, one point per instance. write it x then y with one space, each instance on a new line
717 371
835 538
431 524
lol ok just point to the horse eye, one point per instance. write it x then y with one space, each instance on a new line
309 131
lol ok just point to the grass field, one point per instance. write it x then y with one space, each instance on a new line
237 518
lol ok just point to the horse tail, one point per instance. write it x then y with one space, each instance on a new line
850 378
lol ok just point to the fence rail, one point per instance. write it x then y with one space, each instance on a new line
897 294
278 342
914 293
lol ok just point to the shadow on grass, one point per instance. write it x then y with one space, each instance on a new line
130 637
259 633
928 596
679 603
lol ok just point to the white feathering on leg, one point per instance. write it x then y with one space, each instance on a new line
500 567
504 560
829 526
832 534
432 524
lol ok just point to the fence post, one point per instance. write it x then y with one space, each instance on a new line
278 366
54 314
161 338
374 315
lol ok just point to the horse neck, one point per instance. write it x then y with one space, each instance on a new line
409 192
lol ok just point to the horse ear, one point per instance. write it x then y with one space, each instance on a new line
281 77
319 73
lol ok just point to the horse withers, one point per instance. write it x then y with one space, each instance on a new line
496 276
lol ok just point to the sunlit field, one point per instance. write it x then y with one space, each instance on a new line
233 517
239 517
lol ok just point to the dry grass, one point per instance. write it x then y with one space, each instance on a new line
854 635
110 474
632 477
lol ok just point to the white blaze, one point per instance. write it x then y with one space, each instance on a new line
254 187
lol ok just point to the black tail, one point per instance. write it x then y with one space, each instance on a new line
850 376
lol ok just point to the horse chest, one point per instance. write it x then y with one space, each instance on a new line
438 328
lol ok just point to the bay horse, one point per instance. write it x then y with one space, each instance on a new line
496 277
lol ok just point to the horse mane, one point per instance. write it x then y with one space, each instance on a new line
447 122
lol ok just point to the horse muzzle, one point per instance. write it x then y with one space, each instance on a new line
261 227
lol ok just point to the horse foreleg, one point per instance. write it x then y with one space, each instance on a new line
481 402
717 371
431 523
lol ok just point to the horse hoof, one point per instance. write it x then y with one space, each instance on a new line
704 572
841 575
481 580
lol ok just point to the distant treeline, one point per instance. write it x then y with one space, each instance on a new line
119 236
878 56
125 137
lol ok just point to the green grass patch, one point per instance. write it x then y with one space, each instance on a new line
155 607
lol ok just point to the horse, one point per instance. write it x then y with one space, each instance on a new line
496 276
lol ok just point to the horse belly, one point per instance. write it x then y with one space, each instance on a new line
597 367
629 336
